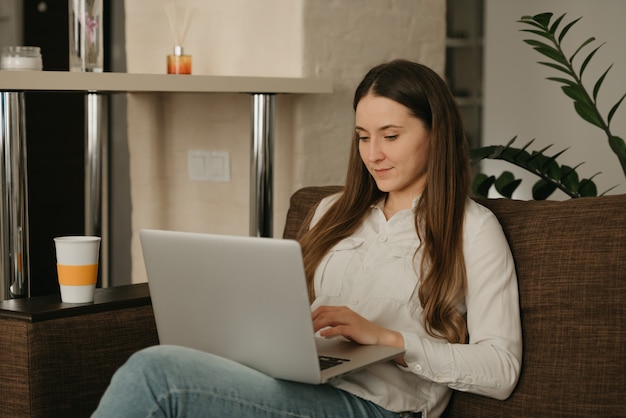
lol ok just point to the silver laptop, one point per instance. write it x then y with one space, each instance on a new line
244 298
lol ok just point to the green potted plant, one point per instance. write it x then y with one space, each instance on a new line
552 175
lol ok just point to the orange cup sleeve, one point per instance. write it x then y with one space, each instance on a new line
77 275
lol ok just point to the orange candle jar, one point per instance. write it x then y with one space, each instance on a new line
178 63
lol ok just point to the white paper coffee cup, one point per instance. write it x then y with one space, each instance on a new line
77 267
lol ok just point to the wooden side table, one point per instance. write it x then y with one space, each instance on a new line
57 359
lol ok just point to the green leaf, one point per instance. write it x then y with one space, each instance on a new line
527 144
536 161
563 80
587 188
567 28
587 113
540 33
508 144
542 190
537 154
543 18
477 154
556 23
614 108
481 184
506 184
619 148
519 156
551 167
514 155
582 68
535 43
569 177
575 92
558 67
596 87
531 22
552 53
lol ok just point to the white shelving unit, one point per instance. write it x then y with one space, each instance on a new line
96 86
464 62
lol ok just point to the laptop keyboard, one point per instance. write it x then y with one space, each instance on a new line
326 361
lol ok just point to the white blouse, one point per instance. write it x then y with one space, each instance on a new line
375 273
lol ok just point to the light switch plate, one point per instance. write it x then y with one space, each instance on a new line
208 165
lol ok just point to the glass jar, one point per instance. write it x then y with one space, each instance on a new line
21 58
179 63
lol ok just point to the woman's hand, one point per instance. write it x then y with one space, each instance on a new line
333 321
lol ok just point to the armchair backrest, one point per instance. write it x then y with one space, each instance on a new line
301 206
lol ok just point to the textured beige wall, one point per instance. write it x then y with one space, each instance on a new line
335 39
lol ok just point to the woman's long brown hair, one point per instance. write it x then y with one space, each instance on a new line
440 212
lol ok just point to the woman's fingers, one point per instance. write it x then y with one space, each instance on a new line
333 321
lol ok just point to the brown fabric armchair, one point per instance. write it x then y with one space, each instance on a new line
571 263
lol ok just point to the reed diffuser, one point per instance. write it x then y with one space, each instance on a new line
179 20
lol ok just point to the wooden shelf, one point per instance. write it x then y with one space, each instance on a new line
156 83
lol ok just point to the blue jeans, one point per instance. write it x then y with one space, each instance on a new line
166 381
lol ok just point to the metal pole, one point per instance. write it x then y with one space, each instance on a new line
93 163
95 143
261 165
14 249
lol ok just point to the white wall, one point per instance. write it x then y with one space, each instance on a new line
518 100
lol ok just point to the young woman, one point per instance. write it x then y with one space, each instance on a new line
402 257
